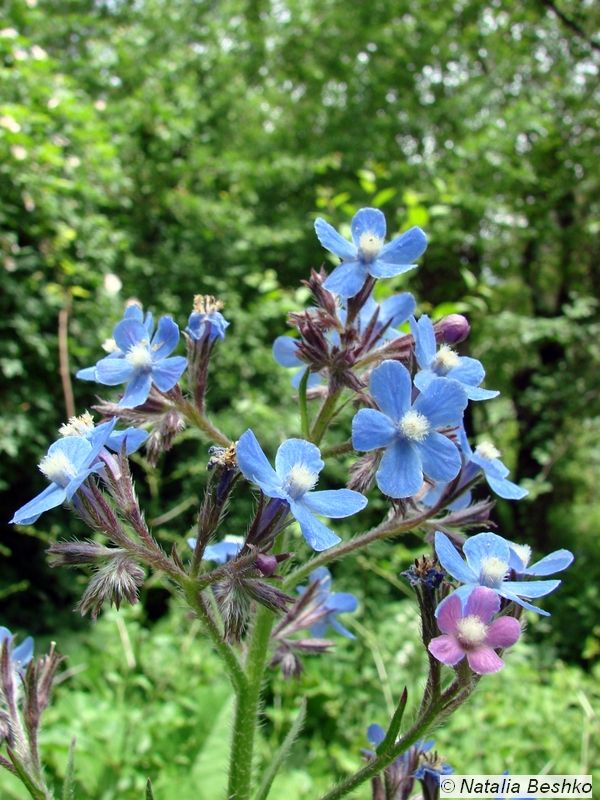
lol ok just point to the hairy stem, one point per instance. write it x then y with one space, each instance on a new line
324 416
202 422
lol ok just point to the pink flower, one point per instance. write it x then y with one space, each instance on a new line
471 633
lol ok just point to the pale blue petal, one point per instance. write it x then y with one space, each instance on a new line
314 379
404 248
423 378
87 374
400 474
347 279
255 466
340 602
323 576
24 652
337 626
112 371
76 449
334 503
51 497
149 323
425 342
72 487
462 593
477 393
99 438
167 372
134 438
491 466
485 545
391 387
221 552
443 402
369 221
380 269
440 457
451 561
137 390
519 601
397 309
129 332
166 338
332 241
529 589
318 536
371 429
134 312
375 734
505 488
555 562
285 351
468 370
294 452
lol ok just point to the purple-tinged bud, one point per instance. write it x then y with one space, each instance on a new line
267 564
114 581
453 329
66 554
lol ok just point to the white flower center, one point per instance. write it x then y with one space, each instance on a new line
58 468
369 246
300 480
492 570
471 631
523 553
414 426
78 426
445 360
109 346
139 355
488 451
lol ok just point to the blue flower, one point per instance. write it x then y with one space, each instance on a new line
445 362
366 254
20 656
297 467
488 563
83 425
333 603
486 458
432 768
67 464
145 361
285 354
206 320
223 551
413 446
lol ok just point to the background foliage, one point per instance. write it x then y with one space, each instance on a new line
186 146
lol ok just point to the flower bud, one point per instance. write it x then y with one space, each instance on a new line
453 329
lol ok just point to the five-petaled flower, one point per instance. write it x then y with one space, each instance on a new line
469 631
413 446
67 464
445 362
486 457
488 564
144 360
297 467
331 603
366 254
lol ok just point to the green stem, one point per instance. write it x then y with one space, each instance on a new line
234 668
324 416
202 422
304 426
337 449
37 792
248 708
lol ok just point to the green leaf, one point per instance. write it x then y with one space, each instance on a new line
149 792
68 792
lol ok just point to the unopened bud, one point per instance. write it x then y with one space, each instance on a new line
115 581
453 329
66 554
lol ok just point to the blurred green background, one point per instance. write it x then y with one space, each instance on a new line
187 146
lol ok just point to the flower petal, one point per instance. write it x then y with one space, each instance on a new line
403 249
137 390
255 466
483 660
451 561
340 602
167 371
318 536
347 279
86 374
285 351
482 603
112 371
440 457
443 402
134 438
24 652
391 387
371 429
333 241
446 649
165 339
529 589
397 309
505 488
477 393
508 595
483 546
314 379
51 497
375 734
339 628
335 503
555 562
294 452
129 332
381 269
425 343
400 474
448 613
503 632
369 221
468 370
